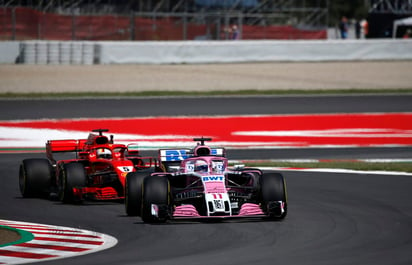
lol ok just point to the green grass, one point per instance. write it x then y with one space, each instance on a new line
250 92
364 166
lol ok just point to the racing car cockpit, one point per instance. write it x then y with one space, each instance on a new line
195 165
204 165
104 153
201 166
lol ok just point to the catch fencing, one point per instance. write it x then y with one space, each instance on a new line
19 23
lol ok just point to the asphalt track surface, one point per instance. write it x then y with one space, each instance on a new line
172 106
333 218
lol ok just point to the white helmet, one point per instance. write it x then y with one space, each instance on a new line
218 166
104 153
201 166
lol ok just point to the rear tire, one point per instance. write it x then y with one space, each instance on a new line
133 193
274 195
72 176
35 178
156 190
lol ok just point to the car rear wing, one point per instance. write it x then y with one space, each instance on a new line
60 146
170 158
175 155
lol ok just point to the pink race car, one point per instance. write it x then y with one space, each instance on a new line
198 184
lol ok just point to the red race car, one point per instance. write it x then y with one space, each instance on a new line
97 172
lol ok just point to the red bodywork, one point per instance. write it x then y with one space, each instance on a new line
106 164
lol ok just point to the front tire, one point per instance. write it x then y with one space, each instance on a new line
133 193
274 195
156 199
72 176
35 178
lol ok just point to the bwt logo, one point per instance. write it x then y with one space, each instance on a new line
213 178
175 155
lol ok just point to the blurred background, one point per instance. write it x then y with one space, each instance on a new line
204 19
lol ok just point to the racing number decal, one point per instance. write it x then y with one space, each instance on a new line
125 168
217 196
218 204
218 201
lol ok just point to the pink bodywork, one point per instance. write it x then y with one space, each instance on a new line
189 211
216 185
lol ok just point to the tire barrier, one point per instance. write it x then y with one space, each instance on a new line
88 53
41 53
65 52
57 52
76 53
54 53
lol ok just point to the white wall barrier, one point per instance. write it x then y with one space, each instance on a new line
188 52
176 52
9 51
28 52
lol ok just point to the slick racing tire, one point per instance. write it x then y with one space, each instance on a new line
133 193
35 177
72 176
155 200
274 195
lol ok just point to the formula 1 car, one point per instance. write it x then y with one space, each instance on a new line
198 184
97 172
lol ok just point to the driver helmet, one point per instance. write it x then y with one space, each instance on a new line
218 166
201 166
104 153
